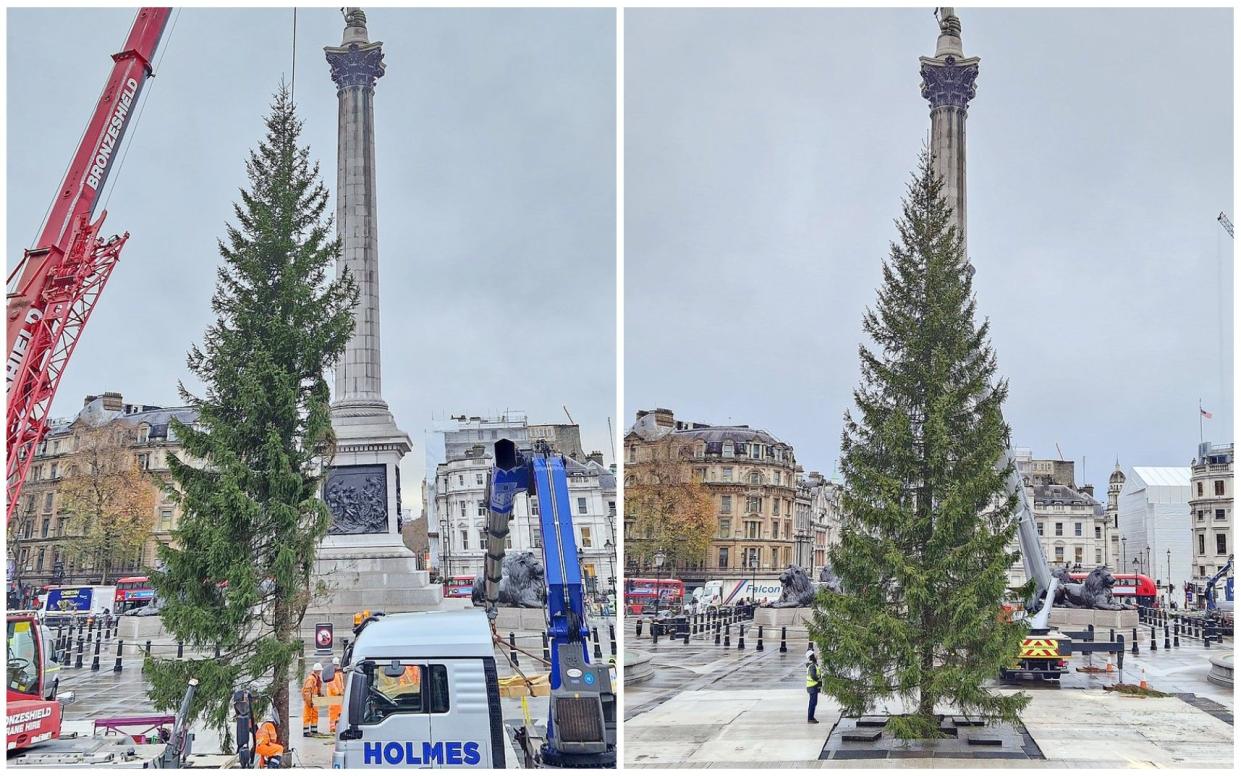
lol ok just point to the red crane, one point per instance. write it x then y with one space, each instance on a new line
58 282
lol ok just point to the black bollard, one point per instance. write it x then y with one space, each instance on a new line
784 647
77 663
1090 632
1176 635
217 656
116 668
598 652
1120 654
1154 646
687 637
94 663
727 628
740 637
547 652
147 649
512 647
639 631
717 633
180 649
654 633
1167 637
758 647
59 646
1111 634
612 637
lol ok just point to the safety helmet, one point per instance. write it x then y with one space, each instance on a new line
335 660
317 667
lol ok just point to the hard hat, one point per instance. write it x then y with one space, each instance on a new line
317 667
357 619
335 660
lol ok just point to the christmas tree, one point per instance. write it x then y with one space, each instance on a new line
237 575
924 547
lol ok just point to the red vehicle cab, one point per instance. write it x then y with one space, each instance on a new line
1132 588
458 587
640 594
30 716
132 593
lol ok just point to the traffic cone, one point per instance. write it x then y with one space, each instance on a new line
1143 683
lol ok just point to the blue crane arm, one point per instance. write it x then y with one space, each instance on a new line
1210 585
581 727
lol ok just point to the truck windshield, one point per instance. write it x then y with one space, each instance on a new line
23 659
420 689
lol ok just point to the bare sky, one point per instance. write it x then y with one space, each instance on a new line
496 192
766 154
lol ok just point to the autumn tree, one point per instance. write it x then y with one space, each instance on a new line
666 510
108 500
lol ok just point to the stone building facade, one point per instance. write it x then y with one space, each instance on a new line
752 478
41 530
1073 527
817 528
1210 514
457 510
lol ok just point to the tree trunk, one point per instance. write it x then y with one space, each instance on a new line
280 673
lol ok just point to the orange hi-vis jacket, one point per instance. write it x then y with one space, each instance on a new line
267 743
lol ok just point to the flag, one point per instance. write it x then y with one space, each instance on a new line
1205 414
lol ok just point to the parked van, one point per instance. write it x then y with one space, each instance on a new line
421 690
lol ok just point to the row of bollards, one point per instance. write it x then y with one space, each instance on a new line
592 635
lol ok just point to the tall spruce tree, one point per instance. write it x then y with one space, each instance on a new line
924 545
237 575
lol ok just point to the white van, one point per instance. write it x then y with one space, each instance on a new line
421 690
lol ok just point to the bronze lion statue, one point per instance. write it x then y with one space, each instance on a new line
1094 592
797 590
523 583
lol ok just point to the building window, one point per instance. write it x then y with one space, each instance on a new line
1098 532
756 478
754 504
1202 544
144 461
723 559
465 539
1098 557
753 529
478 478
482 538
633 455
612 509
482 509
460 480
165 518
55 470
775 529
1221 515
1077 555
1040 528
728 448
534 507
775 506
1202 515
751 557
700 474
581 506
585 536
1077 529
726 504
144 433
47 526
47 502
1221 544
1059 552
536 537
727 474
1219 487
1059 529
1199 487
726 527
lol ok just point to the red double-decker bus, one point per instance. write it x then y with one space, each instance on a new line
459 586
1131 588
132 593
642 593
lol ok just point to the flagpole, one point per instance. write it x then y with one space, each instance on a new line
1199 422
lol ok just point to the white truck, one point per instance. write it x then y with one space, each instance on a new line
62 600
730 592
421 690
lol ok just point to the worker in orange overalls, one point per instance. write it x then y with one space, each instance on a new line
267 743
310 688
334 689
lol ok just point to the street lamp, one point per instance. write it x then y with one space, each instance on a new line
1124 555
1147 564
659 565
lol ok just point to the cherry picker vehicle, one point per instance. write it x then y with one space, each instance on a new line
422 688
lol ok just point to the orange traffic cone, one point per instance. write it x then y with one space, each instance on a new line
1143 683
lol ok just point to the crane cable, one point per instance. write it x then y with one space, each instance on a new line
133 127
293 77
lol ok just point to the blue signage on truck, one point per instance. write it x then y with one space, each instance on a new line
68 599
426 753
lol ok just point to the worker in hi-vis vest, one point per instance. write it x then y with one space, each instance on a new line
267 742
334 689
310 688
813 684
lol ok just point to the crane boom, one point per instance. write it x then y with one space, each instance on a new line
54 289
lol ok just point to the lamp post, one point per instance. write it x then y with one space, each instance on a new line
659 565
1147 564
1124 555
753 576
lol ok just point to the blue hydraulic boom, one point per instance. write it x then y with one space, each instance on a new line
581 724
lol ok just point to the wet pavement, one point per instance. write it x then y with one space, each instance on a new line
712 706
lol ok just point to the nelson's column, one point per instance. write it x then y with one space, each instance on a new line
363 559
948 85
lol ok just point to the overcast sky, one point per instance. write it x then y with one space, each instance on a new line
766 154
495 136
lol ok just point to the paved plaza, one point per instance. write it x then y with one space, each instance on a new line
104 693
709 706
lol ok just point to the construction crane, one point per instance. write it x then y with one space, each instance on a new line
1227 224
55 287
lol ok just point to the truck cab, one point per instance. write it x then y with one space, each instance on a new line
422 690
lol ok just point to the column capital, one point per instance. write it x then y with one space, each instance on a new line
949 82
356 64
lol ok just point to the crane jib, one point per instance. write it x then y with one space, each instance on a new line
14 365
115 129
